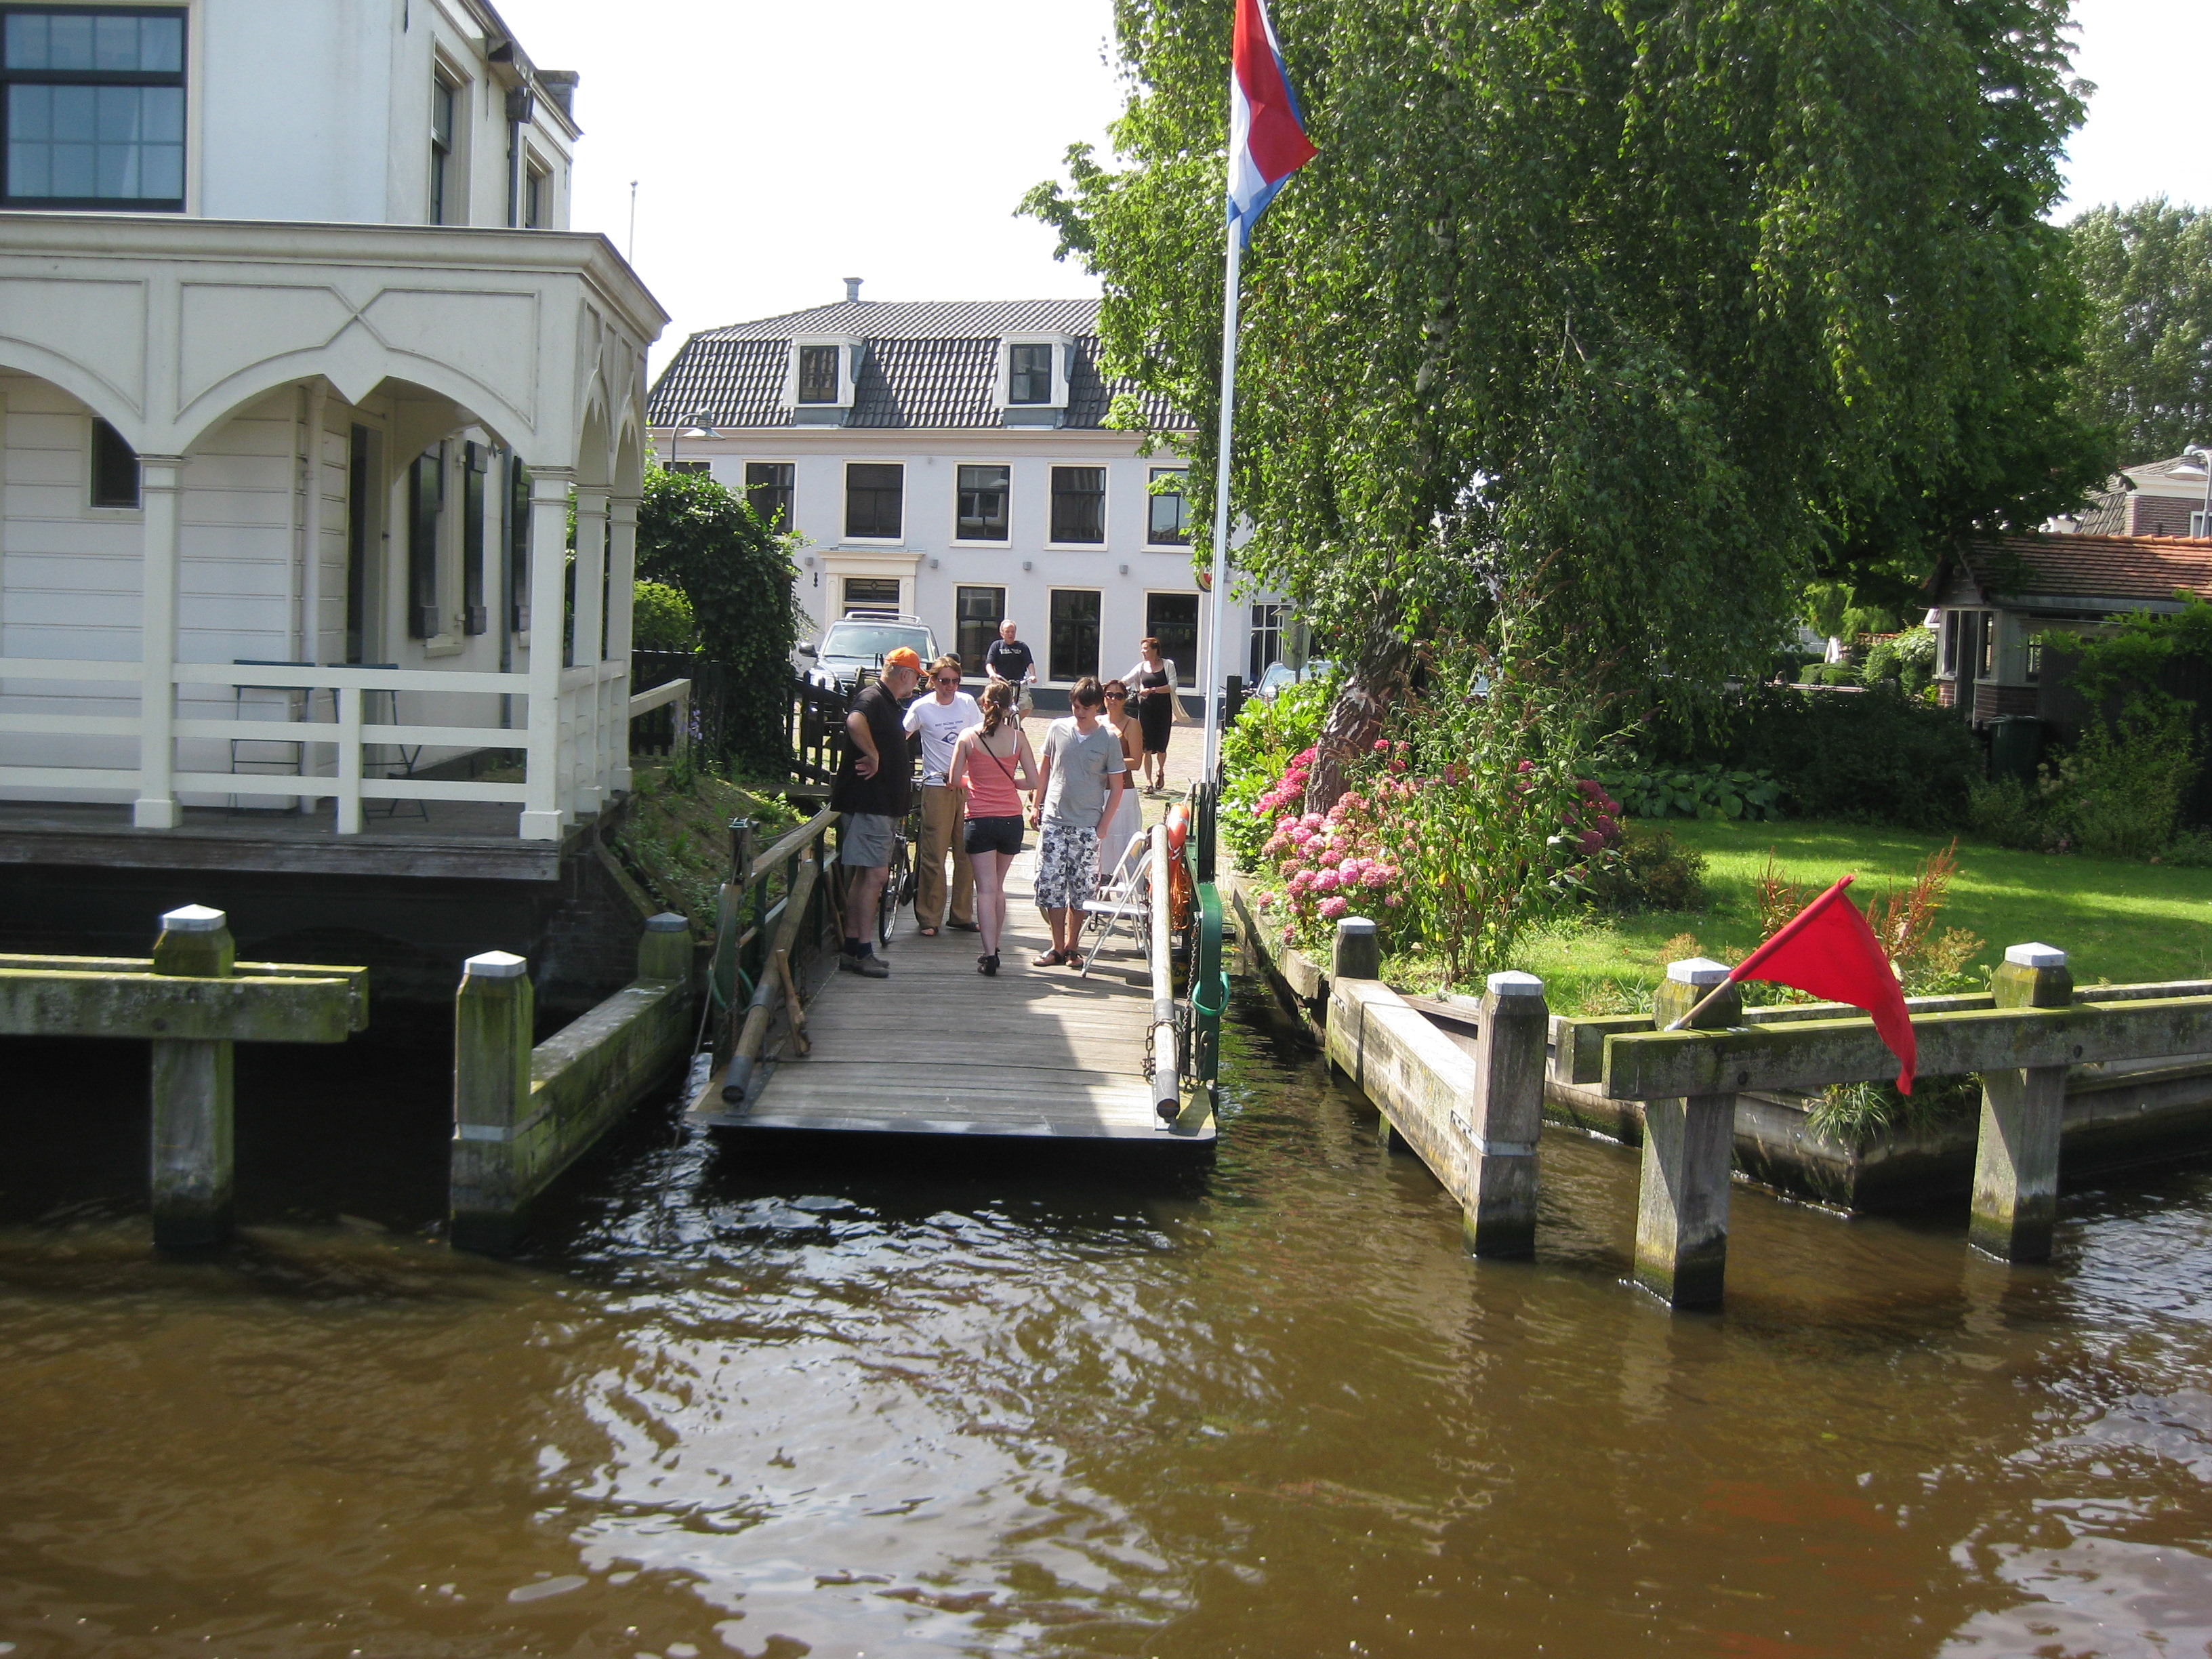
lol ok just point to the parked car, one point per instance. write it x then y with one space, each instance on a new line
1280 674
862 641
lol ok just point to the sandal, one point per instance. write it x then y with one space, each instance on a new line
1073 958
1048 959
987 965
927 932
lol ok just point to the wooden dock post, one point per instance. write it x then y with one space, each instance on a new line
493 1016
195 1159
2015 1201
1682 1200
1499 1217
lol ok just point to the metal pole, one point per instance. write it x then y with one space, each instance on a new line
1214 666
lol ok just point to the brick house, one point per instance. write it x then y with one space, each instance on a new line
2158 498
1995 594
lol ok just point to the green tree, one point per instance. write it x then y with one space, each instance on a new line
697 536
2148 368
1597 329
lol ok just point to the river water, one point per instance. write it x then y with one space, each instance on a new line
776 1409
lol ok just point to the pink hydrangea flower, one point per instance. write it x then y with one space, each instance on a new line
1331 908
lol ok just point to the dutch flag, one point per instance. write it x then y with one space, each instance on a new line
1267 140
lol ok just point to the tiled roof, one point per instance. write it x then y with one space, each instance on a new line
928 365
2142 568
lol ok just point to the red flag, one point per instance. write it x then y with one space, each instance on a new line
1827 950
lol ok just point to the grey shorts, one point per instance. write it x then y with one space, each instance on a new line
864 839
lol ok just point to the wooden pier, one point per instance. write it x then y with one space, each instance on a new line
939 1049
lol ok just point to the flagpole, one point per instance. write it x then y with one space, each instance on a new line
1215 676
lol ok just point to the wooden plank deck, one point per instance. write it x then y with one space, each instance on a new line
939 1049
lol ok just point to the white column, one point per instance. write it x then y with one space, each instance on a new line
591 630
622 593
546 808
160 479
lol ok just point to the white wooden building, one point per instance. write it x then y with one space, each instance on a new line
953 462
300 374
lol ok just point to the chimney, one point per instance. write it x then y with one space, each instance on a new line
853 290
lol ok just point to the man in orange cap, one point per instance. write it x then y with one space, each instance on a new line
873 789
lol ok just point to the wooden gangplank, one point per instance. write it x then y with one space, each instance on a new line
939 1049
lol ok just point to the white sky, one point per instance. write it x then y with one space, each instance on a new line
781 147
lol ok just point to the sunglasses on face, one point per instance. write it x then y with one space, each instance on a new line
943 680
1116 696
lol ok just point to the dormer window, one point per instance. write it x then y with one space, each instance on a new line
1028 375
820 378
1033 378
817 375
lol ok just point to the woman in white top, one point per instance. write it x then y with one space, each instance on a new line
1129 816
1152 688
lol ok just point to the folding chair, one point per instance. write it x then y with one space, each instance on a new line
288 703
397 759
1124 894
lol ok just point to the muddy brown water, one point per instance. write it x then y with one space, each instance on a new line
856 1408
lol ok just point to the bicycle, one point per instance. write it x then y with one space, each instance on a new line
898 878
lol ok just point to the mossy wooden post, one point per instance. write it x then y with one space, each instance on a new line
1682 1203
194 1141
1500 1212
664 951
1356 952
493 1016
2015 1199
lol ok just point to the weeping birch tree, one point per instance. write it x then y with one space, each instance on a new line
1599 326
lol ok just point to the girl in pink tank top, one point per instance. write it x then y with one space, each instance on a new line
992 763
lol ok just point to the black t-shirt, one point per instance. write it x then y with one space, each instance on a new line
1009 659
891 792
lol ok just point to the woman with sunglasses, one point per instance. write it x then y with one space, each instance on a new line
1129 815
992 762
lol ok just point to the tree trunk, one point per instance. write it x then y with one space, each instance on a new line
1355 719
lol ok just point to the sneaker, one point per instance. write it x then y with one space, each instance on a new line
867 963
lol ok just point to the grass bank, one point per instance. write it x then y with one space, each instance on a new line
2117 921
676 839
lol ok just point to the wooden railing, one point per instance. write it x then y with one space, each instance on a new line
772 920
350 747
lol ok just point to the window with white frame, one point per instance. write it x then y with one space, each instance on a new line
536 197
445 173
1079 505
96 107
982 509
2197 524
977 612
1074 646
769 492
1028 375
114 467
875 493
1167 522
817 375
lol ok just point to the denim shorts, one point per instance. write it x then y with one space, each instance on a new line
994 836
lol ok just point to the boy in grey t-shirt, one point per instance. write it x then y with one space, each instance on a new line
1080 777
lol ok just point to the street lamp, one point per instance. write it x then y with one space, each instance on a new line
693 425
2203 457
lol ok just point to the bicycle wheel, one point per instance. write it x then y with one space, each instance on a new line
898 881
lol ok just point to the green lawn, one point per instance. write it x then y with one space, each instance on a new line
2118 922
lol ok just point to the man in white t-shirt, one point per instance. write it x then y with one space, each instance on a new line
940 718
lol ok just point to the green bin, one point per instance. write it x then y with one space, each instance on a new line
2015 745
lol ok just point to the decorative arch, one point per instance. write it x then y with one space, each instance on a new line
356 383
95 394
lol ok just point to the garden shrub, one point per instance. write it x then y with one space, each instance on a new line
1649 869
2118 793
1257 750
2007 811
662 619
1879 757
1906 660
1706 791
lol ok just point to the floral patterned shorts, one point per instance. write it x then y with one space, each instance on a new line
1066 859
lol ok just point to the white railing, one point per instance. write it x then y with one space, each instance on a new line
584 751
